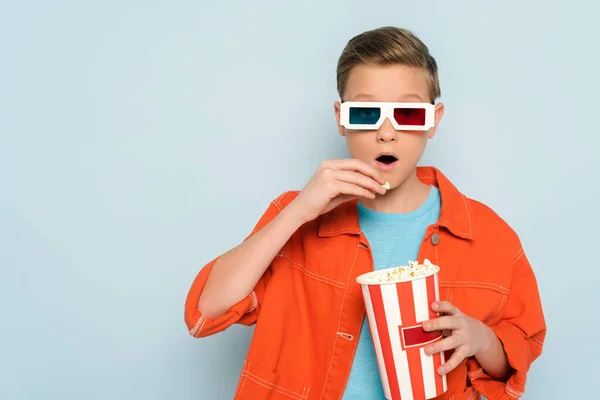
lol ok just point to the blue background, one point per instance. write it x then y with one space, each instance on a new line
131 154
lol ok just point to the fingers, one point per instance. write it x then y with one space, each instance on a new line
454 361
360 180
353 165
444 307
449 343
350 189
442 323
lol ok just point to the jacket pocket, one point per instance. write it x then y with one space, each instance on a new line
258 383
481 300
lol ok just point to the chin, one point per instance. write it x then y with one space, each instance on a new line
398 179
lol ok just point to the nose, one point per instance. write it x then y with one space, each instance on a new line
386 132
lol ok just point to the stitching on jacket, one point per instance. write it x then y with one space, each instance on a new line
271 386
313 275
350 230
246 370
243 384
512 391
480 285
504 298
503 302
538 342
446 222
276 204
518 255
242 381
277 201
198 327
474 395
240 387
339 322
492 316
201 326
468 214
307 389
475 374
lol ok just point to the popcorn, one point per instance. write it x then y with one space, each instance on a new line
401 273
386 185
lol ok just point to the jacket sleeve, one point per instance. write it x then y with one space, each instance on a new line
521 330
244 312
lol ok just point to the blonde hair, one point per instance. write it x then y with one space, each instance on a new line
386 46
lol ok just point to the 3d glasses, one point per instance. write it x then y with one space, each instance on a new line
370 115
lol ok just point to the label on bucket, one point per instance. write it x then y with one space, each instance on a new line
416 336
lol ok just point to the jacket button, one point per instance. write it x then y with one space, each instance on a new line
435 239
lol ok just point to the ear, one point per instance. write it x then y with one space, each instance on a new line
336 108
439 113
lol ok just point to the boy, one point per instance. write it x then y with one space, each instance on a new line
294 276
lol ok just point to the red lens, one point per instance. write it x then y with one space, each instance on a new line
410 116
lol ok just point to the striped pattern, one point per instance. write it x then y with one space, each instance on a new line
395 313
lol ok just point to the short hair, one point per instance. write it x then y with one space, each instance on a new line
387 46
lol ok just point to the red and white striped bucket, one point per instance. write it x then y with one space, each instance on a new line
395 312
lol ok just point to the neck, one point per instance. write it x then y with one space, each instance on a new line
407 197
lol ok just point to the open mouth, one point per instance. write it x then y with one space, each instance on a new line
387 159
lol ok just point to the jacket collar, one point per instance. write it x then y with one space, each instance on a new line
455 215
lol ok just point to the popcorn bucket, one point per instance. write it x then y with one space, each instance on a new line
397 301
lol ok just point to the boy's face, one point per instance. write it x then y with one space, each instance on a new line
393 83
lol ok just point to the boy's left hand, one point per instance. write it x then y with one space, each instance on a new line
467 335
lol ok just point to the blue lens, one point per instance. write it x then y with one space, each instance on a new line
364 115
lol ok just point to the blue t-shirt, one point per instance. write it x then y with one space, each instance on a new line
394 240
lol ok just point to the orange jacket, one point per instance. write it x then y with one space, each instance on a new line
308 308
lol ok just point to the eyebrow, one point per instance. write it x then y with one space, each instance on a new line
400 99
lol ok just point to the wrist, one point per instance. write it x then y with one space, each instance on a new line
293 215
489 336
493 358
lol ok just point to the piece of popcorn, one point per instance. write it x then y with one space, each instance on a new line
414 269
386 185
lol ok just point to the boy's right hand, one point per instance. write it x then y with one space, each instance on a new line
335 182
